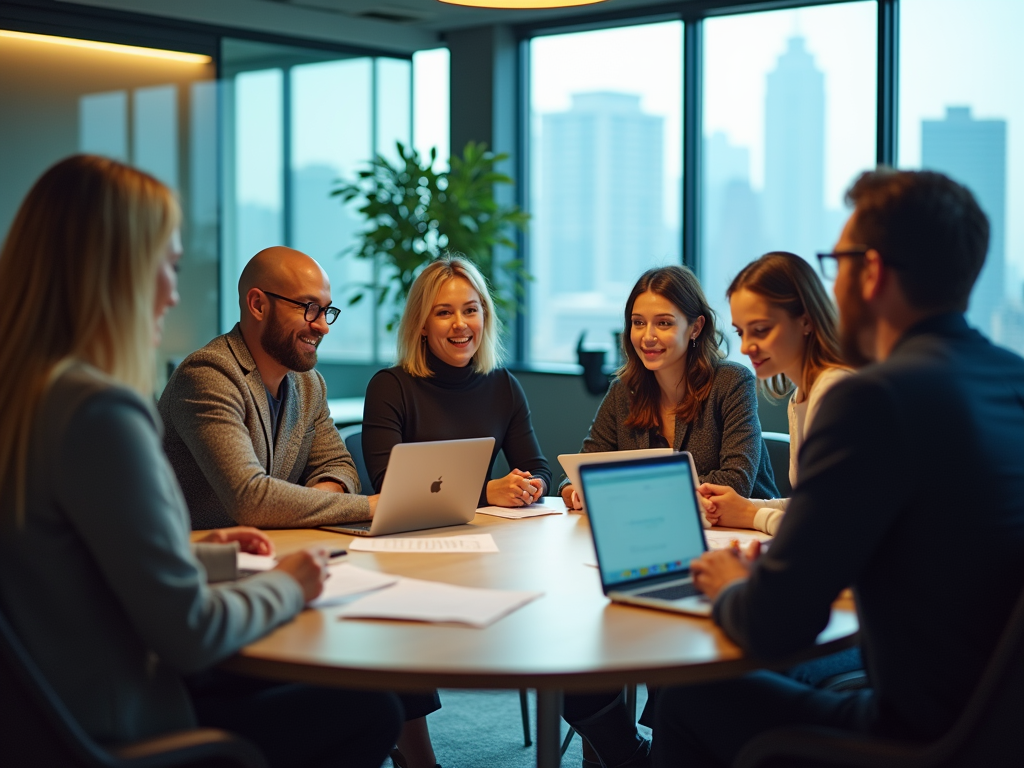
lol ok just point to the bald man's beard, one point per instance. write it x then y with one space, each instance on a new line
281 345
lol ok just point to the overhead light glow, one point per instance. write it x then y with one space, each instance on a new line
521 3
130 50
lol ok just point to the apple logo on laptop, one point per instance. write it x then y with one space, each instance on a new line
435 487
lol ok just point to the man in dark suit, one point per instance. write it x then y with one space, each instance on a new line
911 490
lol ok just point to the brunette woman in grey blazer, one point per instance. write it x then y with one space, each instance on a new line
675 390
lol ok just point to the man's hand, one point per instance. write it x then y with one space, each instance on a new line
309 568
516 489
715 570
373 504
723 506
251 540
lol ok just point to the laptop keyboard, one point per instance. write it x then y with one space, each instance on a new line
675 592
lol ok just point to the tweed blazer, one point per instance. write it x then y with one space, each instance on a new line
231 469
725 438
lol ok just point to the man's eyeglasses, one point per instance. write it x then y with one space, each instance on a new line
313 310
830 261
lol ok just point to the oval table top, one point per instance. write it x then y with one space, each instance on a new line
572 638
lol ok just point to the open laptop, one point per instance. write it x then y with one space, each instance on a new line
571 463
427 485
646 523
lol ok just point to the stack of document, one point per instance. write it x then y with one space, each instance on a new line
416 600
470 543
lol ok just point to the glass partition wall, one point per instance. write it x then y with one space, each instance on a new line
155 109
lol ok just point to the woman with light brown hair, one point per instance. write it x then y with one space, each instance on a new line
676 391
97 575
788 328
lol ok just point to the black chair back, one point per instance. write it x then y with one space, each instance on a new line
353 438
35 727
777 444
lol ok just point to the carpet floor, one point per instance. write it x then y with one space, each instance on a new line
484 729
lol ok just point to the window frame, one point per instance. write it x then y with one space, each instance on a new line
693 14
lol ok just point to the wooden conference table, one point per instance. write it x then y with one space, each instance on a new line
571 639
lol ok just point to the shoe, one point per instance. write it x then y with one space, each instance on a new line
398 759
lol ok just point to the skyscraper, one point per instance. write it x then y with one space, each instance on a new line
601 180
973 152
794 152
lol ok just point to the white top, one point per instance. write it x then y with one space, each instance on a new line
801 415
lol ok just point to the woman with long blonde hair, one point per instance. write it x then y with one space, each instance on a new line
97 575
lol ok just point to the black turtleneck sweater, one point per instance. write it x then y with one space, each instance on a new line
453 404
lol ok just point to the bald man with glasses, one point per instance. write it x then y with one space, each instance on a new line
248 430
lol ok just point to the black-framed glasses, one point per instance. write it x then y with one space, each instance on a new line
313 310
830 261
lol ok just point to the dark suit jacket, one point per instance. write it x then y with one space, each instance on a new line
911 490
233 472
725 438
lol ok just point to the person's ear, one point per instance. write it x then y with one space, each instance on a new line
256 302
698 326
805 325
873 276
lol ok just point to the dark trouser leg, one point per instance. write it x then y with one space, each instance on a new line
815 671
602 718
701 726
301 726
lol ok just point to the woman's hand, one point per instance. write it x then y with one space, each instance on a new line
309 568
516 489
251 540
723 506
571 498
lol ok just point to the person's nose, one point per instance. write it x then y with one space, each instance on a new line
320 324
747 347
460 321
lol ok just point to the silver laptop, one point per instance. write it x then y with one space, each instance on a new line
571 463
428 485
646 524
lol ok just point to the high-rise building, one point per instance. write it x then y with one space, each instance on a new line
794 153
973 152
602 181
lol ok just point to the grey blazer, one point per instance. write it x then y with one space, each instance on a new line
99 582
725 438
219 441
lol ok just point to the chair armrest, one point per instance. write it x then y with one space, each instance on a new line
830 747
206 745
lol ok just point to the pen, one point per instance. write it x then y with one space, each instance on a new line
336 553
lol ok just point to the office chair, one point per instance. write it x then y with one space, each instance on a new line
777 444
353 439
36 728
988 732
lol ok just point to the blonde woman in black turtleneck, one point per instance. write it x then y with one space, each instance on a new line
447 385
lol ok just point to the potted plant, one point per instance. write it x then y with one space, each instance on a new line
415 214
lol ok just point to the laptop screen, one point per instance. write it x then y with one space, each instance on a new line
644 517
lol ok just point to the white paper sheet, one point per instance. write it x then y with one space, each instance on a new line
724 539
472 543
518 513
252 563
431 601
346 580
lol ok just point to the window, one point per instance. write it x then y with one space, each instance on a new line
605 178
431 105
961 112
787 126
297 121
